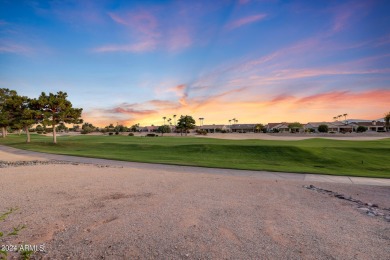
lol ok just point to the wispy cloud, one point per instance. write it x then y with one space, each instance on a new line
11 47
139 47
178 39
245 21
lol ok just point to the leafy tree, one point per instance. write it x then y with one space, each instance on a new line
134 128
164 129
294 127
75 128
5 94
323 128
185 123
387 121
259 128
22 116
87 128
61 127
361 129
121 128
56 109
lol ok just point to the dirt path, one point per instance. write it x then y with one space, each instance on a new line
90 212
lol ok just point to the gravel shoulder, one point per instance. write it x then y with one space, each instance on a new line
94 212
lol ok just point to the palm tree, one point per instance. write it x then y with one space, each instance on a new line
335 118
345 117
339 116
174 120
201 121
164 117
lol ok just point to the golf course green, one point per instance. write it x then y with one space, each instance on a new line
323 156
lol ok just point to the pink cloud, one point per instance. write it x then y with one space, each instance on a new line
246 20
178 39
145 27
142 22
179 89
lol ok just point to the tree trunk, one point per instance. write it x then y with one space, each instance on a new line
54 134
28 134
3 131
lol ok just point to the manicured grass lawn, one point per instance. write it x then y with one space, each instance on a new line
335 157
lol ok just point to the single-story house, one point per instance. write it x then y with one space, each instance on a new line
373 126
148 129
315 125
280 127
243 128
213 128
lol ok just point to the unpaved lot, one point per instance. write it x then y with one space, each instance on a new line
94 212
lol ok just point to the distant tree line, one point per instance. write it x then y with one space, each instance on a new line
21 112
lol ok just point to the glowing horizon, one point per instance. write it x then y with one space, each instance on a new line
257 61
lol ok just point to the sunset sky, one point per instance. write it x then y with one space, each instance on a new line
258 61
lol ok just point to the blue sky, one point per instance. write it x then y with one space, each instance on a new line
256 60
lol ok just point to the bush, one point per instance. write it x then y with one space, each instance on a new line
361 129
223 131
131 134
201 132
323 128
116 133
151 135
39 132
110 133
84 132
275 130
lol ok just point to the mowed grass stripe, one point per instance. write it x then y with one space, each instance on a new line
335 157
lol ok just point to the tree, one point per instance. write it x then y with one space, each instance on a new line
134 128
121 128
387 121
62 127
259 128
345 117
55 109
87 128
164 129
294 127
39 129
5 94
323 128
22 116
361 129
185 123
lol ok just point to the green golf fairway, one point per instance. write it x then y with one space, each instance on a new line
334 157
